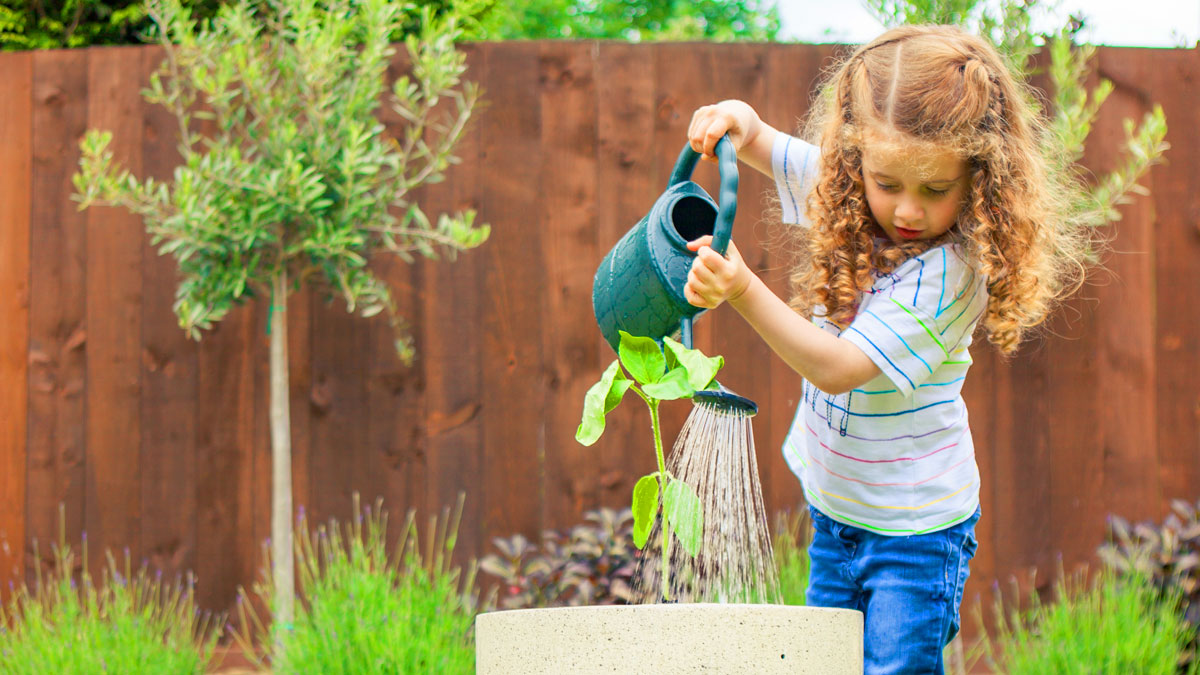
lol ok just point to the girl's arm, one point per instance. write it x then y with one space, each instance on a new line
751 137
830 363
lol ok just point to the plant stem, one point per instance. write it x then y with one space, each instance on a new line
662 484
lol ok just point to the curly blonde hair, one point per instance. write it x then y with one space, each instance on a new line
939 86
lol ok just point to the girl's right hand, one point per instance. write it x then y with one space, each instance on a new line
711 122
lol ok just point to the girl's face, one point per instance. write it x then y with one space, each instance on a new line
914 195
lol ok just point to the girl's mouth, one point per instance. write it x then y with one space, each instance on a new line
906 233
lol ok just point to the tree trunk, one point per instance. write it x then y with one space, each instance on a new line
282 551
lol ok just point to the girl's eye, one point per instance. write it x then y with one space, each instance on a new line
886 188
937 193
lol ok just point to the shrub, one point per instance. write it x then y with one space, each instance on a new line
591 564
1168 556
363 610
131 622
594 563
1115 624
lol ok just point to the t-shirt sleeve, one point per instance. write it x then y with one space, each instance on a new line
795 164
920 316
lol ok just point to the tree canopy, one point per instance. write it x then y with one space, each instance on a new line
53 24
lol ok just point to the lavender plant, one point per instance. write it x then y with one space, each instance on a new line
659 373
128 622
367 607
1112 623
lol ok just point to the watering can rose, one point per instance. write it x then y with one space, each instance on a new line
655 374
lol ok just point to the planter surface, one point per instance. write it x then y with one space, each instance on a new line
685 638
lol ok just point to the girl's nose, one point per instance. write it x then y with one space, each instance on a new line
908 210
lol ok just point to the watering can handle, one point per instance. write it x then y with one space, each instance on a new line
727 163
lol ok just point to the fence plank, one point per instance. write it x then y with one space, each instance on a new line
514 378
568 206
627 185
1171 78
395 391
450 296
1126 325
1160 423
114 313
340 353
16 122
168 372
57 308
398 461
225 430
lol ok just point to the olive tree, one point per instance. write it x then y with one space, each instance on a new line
293 179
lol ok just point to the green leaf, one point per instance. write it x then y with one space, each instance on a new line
599 401
674 385
701 369
642 357
645 505
681 507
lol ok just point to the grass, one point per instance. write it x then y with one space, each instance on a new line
364 610
793 534
130 622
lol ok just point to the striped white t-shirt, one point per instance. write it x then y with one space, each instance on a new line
893 456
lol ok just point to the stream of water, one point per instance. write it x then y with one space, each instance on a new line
714 454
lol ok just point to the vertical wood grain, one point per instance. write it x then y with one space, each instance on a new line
58 303
16 127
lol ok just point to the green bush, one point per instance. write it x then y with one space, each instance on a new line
362 610
54 24
1115 624
131 622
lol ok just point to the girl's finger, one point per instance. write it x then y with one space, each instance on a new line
712 260
696 127
693 297
701 274
693 138
687 295
712 135
695 244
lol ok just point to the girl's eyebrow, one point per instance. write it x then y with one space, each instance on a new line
928 182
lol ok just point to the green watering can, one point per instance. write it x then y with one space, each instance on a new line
639 285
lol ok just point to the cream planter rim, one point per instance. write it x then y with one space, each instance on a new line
670 638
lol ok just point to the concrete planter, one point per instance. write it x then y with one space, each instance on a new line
686 638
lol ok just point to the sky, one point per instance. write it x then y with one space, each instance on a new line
1155 23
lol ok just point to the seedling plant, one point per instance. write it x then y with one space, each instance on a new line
656 374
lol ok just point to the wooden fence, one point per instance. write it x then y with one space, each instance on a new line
160 445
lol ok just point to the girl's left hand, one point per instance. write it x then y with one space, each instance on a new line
714 278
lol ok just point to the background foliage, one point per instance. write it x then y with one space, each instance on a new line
51 24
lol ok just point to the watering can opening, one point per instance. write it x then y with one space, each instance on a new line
693 217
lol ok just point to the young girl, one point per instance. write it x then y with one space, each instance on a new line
930 211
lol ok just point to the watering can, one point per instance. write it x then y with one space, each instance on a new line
639 285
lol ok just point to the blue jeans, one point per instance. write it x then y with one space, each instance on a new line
908 588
